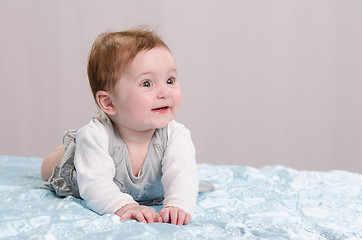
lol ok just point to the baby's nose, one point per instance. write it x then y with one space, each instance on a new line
163 93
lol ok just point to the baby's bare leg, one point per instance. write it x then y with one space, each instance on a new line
50 161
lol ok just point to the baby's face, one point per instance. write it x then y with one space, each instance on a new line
148 94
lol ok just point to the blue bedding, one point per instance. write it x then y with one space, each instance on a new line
273 202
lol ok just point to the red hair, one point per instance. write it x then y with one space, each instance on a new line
112 52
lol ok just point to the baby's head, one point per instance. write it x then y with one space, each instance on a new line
112 52
134 80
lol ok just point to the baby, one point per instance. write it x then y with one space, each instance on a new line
133 153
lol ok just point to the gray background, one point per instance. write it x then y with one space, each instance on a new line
264 82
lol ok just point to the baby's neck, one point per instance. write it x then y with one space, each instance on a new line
137 145
136 137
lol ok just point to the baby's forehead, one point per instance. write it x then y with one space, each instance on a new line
159 51
154 59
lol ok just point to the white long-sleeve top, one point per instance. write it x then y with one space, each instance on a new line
96 170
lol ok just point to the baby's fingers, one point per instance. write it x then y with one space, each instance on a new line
159 218
187 219
174 216
126 216
178 216
149 216
181 217
134 215
164 215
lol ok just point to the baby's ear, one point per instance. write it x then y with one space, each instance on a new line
105 103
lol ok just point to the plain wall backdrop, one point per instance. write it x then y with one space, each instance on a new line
264 82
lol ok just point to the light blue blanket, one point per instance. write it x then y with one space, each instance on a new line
273 202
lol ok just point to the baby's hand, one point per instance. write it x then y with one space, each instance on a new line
174 216
134 211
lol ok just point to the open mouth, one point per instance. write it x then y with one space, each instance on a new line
161 109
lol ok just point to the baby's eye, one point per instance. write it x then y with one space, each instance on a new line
146 84
171 80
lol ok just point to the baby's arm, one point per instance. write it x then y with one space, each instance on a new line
95 173
180 176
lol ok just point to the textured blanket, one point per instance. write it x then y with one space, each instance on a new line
273 202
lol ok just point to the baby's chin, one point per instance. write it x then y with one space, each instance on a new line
159 126
162 124
150 127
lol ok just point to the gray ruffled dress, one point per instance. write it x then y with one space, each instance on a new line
146 188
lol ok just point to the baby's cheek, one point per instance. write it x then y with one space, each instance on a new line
177 100
140 105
